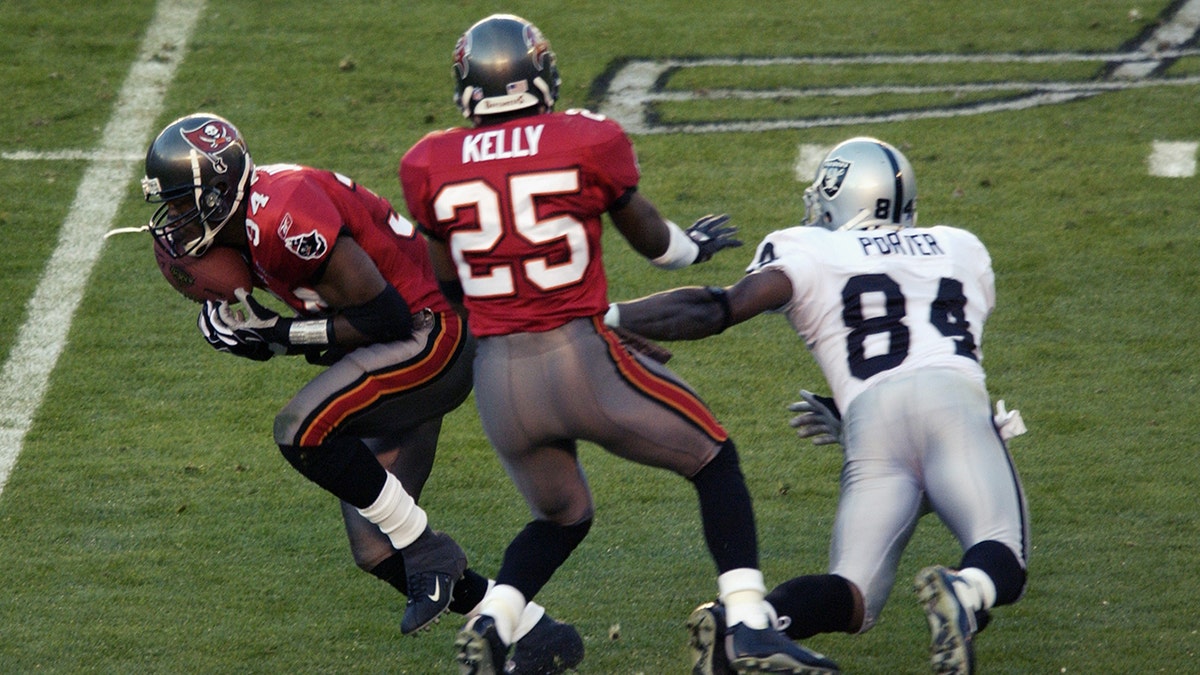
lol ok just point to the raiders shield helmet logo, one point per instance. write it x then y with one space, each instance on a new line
833 172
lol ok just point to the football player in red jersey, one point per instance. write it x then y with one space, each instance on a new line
367 304
512 207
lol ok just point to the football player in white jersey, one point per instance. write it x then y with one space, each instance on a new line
894 315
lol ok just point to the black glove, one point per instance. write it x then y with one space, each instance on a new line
711 236
224 338
324 357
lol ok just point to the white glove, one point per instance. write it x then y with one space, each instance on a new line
819 419
1008 422
255 323
224 337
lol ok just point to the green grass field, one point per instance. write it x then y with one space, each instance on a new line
150 525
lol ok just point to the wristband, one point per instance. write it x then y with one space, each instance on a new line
311 332
722 299
681 250
612 318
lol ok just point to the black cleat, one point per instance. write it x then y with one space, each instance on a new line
765 650
706 639
434 562
951 626
549 648
480 649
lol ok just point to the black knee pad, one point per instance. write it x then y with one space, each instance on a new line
343 466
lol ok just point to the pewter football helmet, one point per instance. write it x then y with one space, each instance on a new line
501 64
862 184
201 158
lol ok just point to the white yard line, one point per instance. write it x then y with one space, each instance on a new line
42 337
68 155
639 84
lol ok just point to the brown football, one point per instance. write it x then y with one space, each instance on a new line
213 276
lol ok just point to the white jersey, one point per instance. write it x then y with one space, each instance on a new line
874 304
894 318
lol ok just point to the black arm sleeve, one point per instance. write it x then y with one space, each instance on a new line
384 318
453 290
623 200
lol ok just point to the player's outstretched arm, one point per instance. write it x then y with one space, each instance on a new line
663 242
695 312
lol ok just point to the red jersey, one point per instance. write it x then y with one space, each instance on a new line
519 206
295 215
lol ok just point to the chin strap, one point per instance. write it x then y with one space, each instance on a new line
126 230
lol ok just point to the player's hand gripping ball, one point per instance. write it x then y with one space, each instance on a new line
213 276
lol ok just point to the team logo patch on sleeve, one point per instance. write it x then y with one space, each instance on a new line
308 246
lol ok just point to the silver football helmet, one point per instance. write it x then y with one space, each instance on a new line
862 184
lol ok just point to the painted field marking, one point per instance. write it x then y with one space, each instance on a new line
68 155
1173 159
808 160
1167 159
635 86
42 336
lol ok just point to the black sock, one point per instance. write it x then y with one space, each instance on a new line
343 466
536 552
999 562
726 512
818 603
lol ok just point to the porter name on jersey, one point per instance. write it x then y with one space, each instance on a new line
502 143
899 243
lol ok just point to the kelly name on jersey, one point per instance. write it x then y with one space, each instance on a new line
508 143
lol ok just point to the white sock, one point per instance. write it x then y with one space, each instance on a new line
396 513
975 589
779 623
533 613
505 605
742 592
